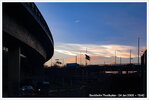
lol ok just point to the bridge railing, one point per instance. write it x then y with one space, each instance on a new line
32 8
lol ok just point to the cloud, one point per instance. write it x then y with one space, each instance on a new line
77 21
98 53
96 50
66 52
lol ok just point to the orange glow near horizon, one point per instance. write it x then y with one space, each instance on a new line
99 54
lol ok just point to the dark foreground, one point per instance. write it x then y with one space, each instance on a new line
77 82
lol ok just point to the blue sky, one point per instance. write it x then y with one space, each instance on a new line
95 24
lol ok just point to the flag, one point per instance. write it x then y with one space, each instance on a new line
58 62
87 57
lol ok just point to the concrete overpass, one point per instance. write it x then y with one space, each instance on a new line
25 36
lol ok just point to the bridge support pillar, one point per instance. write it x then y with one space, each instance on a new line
127 72
13 71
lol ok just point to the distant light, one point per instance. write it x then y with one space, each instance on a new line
23 89
38 89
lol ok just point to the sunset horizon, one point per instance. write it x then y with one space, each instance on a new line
74 49
102 28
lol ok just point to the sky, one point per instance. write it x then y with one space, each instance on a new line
102 28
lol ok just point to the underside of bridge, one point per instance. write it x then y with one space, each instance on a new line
27 45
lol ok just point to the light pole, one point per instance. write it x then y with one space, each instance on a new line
115 57
138 48
130 56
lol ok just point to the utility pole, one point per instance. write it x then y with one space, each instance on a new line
130 56
80 57
120 60
115 57
85 57
138 48
76 59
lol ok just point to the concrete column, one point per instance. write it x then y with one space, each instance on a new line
13 71
127 72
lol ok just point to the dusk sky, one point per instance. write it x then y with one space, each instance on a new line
102 28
